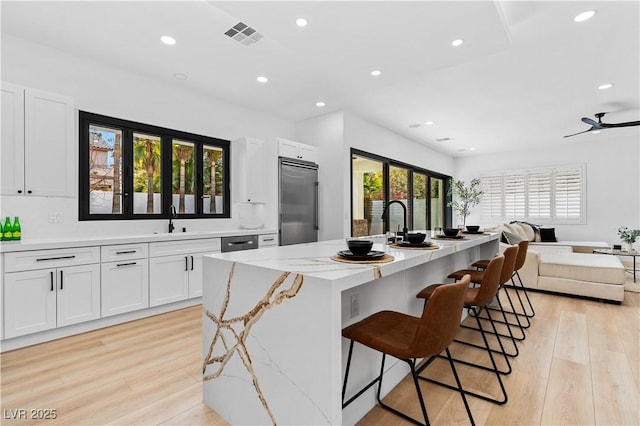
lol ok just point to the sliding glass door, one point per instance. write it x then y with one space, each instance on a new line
420 206
368 195
377 180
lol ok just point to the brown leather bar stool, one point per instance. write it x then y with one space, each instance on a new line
407 338
476 299
523 246
510 255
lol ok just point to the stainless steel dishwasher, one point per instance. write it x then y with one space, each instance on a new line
244 242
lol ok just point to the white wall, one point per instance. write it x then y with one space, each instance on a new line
327 133
114 92
612 181
335 134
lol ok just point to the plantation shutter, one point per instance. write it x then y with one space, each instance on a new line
539 193
514 196
491 201
568 194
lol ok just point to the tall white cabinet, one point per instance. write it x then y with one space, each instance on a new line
38 143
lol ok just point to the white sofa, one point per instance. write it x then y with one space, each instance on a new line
561 269
568 267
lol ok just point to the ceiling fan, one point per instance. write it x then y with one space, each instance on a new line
599 125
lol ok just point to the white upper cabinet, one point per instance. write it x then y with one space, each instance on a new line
300 151
12 139
250 167
38 143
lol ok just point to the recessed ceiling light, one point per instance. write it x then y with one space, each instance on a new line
429 123
458 42
168 40
320 104
301 22
180 76
584 16
605 86
473 148
262 79
376 73
414 126
595 132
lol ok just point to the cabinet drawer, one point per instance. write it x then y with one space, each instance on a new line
168 248
41 259
124 252
267 240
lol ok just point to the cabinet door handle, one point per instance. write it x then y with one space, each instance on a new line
268 239
19 191
55 258
126 264
126 252
186 263
61 281
191 263
51 280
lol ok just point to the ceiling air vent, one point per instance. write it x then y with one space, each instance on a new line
244 34
443 139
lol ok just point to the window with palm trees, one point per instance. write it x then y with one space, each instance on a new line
132 170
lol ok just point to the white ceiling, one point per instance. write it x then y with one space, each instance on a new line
524 76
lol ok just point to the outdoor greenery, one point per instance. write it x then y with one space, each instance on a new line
465 198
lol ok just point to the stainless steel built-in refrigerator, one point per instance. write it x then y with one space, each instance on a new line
298 201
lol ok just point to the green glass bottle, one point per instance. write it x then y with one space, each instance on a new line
15 229
7 235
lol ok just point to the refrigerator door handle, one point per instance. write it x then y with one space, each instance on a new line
315 210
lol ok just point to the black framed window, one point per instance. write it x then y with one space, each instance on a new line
376 180
132 170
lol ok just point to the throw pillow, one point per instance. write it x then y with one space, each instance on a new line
531 234
517 229
548 235
510 238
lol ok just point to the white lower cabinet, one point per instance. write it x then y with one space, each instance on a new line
175 269
168 279
48 298
125 286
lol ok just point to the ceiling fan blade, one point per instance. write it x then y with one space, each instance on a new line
628 124
591 122
579 133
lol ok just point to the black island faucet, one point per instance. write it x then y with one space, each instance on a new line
405 230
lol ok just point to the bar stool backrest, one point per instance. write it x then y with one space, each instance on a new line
440 319
490 281
523 246
510 255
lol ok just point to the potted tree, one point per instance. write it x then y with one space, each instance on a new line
464 198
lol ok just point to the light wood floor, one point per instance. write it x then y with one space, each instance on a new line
580 364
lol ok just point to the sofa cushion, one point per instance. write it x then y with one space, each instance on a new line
583 267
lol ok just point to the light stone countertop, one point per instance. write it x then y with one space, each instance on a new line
314 259
57 243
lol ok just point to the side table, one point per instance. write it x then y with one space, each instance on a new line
613 252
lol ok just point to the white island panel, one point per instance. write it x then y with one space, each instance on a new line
273 318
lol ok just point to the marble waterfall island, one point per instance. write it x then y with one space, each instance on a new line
272 319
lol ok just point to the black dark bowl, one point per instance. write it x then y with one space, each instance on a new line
416 237
473 228
360 247
450 232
